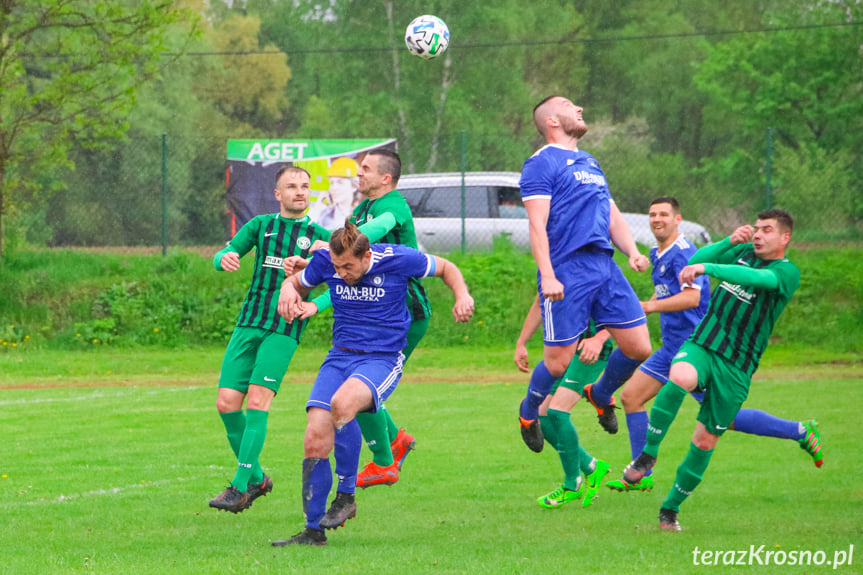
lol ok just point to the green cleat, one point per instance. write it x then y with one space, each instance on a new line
561 496
593 481
811 442
646 484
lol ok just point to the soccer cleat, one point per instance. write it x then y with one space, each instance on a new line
635 471
403 444
531 433
374 474
561 496
811 442
646 484
343 507
605 411
255 490
230 500
594 480
668 520
308 536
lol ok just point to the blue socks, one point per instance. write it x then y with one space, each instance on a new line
619 369
541 382
348 444
759 422
317 483
636 423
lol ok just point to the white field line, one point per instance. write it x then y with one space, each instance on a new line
102 395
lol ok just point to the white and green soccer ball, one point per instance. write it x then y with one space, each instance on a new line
427 37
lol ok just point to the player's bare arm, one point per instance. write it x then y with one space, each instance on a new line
537 215
686 299
531 324
621 237
688 274
230 262
452 278
294 264
290 297
591 347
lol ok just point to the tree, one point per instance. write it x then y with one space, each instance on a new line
69 70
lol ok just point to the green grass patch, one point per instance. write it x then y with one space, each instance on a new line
116 479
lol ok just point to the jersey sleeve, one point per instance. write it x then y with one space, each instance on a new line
417 264
788 275
721 252
742 275
379 227
242 242
319 269
536 179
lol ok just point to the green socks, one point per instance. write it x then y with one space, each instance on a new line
235 425
689 475
567 447
376 435
248 467
548 430
665 408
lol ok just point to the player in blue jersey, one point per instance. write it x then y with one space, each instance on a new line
571 216
368 285
681 307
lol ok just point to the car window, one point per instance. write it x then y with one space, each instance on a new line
509 203
445 202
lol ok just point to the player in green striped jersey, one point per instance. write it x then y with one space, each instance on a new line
757 281
385 217
263 343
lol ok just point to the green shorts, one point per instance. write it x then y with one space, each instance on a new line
725 386
257 356
579 374
416 331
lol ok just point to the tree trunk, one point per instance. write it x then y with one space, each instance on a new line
403 124
444 90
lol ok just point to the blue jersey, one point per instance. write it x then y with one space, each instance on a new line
372 314
580 201
677 326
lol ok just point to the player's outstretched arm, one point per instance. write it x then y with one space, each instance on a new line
531 324
293 264
686 299
451 276
621 237
378 227
537 217
721 251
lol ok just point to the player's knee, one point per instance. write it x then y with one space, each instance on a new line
342 414
630 400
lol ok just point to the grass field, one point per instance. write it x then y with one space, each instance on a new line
108 461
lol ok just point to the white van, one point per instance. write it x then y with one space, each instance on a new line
492 207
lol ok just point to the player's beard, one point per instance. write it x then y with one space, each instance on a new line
573 127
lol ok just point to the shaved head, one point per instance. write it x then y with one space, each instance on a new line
557 115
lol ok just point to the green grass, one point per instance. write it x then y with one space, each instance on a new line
111 473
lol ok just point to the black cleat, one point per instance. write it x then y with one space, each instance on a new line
309 536
255 490
230 500
343 507
635 471
668 520
605 411
531 433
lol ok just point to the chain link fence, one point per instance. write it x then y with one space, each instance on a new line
158 190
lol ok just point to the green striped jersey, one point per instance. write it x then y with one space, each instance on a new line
403 233
274 238
741 318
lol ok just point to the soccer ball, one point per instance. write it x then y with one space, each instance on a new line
427 37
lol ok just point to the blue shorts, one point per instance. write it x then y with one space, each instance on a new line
593 287
380 371
658 365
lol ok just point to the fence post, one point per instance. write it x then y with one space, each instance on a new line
164 194
463 190
768 192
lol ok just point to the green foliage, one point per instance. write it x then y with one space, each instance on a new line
69 71
66 299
